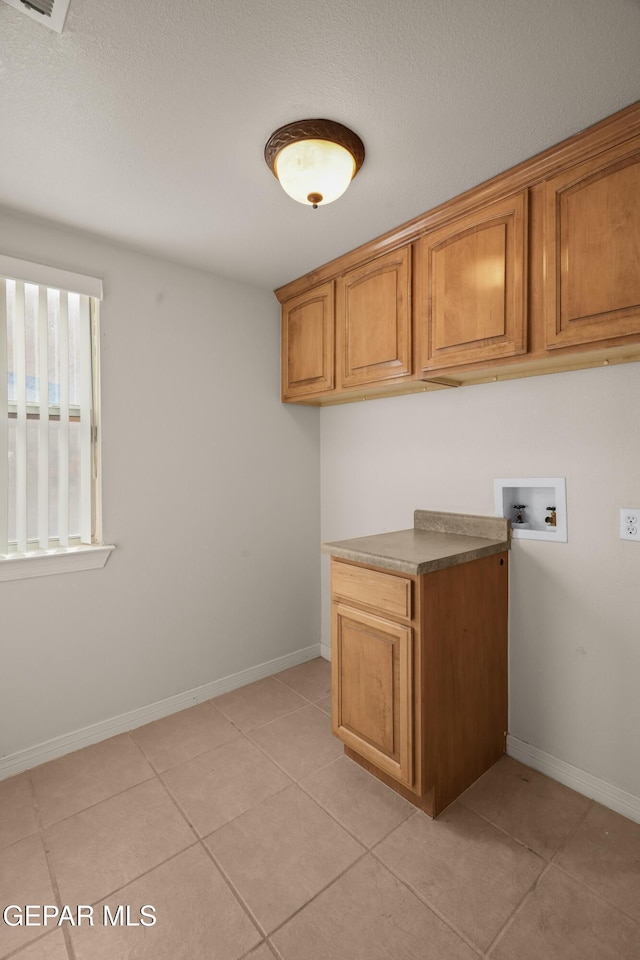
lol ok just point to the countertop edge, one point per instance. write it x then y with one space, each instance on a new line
416 569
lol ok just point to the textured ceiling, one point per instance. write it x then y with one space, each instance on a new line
146 122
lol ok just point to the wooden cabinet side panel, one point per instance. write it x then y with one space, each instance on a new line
308 331
373 319
592 249
464 628
471 287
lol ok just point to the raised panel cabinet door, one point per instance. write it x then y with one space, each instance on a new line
308 343
372 687
373 314
471 287
592 249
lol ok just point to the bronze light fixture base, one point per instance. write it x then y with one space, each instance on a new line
327 132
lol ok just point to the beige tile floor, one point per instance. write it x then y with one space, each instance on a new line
243 824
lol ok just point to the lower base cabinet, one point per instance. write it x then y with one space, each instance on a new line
419 674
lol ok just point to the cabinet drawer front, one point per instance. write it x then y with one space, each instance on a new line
391 595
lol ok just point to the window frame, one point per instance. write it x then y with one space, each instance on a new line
77 556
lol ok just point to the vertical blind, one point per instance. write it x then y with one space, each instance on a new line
46 407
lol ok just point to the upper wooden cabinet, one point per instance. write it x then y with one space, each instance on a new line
471 302
592 249
534 271
308 343
373 321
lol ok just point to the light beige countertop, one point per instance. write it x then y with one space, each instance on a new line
437 540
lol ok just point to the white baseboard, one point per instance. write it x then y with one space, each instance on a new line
325 651
605 793
32 756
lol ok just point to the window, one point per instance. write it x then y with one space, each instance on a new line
49 402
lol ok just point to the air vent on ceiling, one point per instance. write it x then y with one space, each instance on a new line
40 6
51 13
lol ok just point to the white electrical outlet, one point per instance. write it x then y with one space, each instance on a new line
630 523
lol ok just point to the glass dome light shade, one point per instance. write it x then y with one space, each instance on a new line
315 171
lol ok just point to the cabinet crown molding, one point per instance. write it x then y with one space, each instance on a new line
613 130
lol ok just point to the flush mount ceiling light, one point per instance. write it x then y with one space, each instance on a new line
314 160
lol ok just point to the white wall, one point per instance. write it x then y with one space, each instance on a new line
211 495
190 457
574 614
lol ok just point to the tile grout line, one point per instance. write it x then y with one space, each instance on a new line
92 806
293 782
405 883
235 893
283 716
111 893
195 755
595 893
110 796
503 830
517 909
39 832
309 703
288 713
315 896
367 846
276 953
155 772
66 935
200 842
27 946
157 775
273 953
282 769
265 939
573 832
248 733
139 876
579 880
130 734
531 891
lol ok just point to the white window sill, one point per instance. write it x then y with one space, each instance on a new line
43 563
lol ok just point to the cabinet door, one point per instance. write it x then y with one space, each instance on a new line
372 703
592 249
471 302
373 321
308 343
